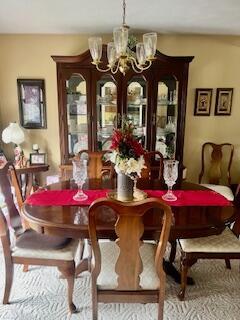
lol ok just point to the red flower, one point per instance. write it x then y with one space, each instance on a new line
125 143
116 139
137 147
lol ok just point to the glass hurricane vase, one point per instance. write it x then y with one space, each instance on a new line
170 175
80 175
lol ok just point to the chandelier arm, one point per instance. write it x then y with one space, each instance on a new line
148 65
135 66
116 69
102 70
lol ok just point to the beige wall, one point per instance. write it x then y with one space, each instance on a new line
216 64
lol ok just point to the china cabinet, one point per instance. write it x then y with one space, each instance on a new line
92 103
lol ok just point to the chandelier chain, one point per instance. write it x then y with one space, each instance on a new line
124 12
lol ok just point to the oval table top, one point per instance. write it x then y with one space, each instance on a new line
71 221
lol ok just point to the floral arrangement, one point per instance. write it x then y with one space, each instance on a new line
127 152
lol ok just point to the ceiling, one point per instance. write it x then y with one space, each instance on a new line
100 16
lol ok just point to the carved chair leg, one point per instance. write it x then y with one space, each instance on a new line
81 248
228 263
69 274
161 297
173 251
184 272
94 302
9 270
25 268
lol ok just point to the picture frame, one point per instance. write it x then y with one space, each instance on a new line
32 103
37 158
223 106
203 102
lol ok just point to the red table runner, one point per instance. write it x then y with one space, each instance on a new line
185 197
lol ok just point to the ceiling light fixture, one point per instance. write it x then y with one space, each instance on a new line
120 56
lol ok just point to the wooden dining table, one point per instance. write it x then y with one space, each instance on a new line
72 220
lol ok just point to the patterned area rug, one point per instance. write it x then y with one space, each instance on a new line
40 295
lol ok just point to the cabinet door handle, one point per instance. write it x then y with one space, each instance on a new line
154 119
118 119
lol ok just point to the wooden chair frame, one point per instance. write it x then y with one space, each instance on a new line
96 167
129 229
189 259
67 268
216 159
148 172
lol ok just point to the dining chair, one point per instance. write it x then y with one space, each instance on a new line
128 269
66 171
99 165
154 165
213 163
29 252
9 180
225 245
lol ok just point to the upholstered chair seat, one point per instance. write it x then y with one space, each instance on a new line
224 242
65 252
223 190
222 246
107 278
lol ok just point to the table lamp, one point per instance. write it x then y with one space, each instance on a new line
14 133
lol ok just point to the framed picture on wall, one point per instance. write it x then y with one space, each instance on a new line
223 102
32 104
203 101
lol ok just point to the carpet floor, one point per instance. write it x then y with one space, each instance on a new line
40 295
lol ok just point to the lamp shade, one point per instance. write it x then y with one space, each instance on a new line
13 133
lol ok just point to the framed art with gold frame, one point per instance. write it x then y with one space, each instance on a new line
223 104
203 101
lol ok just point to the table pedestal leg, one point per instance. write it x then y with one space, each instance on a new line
171 271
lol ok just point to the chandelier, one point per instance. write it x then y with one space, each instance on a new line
120 56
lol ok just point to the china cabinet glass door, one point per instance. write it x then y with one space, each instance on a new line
77 118
166 117
136 106
106 111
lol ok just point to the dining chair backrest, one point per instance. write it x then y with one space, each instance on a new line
98 165
129 230
15 184
6 190
214 167
154 165
66 171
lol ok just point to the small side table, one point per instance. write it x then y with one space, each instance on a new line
29 180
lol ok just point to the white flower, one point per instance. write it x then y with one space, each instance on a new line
113 156
128 166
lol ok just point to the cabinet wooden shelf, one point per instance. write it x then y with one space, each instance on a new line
162 125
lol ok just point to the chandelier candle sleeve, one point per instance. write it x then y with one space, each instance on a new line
95 46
